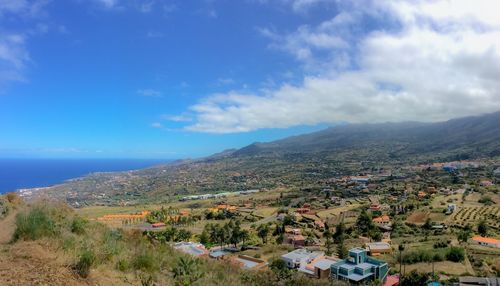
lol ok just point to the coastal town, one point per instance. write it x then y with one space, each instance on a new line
441 219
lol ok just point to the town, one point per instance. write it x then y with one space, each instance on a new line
441 220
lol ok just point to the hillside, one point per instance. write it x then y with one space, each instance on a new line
299 161
469 137
50 244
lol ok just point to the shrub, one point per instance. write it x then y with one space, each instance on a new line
82 267
455 254
13 198
144 261
146 280
122 265
34 225
187 271
440 244
78 225
111 244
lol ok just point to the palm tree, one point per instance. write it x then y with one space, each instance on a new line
401 247
262 232
187 271
245 235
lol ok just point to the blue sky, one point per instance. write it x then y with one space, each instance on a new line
174 79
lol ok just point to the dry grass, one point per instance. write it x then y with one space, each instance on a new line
266 211
445 267
418 217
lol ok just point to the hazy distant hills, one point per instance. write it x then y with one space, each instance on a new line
469 137
298 161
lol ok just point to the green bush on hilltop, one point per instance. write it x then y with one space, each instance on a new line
78 225
35 224
82 267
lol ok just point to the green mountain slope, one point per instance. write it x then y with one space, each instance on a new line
298 161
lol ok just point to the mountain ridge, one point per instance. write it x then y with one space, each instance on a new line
295 162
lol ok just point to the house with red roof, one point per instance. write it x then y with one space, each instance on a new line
486 241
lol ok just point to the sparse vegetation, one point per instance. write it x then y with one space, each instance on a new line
35 224
86 260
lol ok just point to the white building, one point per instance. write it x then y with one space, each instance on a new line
300 257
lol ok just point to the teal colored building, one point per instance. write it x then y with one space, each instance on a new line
359 268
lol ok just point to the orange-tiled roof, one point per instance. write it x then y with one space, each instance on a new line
383 218
140 215
226 207
485 239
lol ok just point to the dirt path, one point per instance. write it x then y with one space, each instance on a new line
7 227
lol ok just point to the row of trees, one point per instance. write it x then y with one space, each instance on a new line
229 233
169 234
172 216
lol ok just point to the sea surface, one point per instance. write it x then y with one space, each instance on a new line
32 173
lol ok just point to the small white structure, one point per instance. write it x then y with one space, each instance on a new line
451 208
300 257
191 248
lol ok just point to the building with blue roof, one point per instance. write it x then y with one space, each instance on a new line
359 268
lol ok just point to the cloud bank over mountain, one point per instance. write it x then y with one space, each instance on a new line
374 61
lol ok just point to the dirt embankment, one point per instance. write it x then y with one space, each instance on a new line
28 262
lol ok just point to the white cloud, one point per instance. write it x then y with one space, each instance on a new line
146 7
156 125
178 118
304 5
442 61
23 8
298 6
13 57
225 81
155 34
149 93
108 3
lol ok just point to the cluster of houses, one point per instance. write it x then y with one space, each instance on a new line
358 268
217 196
199 250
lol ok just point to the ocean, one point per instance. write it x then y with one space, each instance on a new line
32 173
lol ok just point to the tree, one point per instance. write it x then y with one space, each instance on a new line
235 230
244 235
364 222
375 233
428 224
342 251
183 235
328 237
279 267
414 278
205 238
187 271
464 235
455 254
339 234
289 220
482 228
262 232
401 248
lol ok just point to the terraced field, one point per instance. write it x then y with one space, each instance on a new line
473 214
